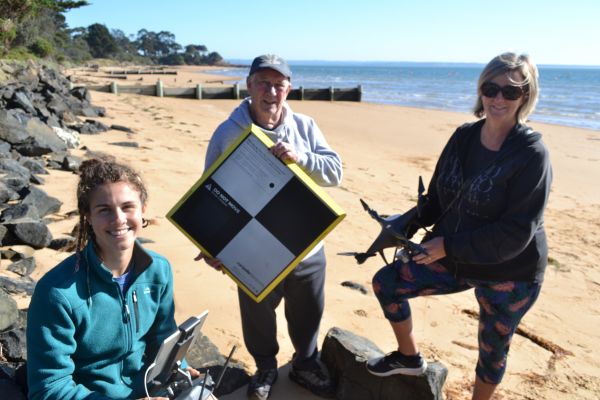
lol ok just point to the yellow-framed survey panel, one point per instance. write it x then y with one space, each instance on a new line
258 215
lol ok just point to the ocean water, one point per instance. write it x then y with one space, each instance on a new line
568 96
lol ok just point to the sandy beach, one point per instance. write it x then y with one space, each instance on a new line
384 150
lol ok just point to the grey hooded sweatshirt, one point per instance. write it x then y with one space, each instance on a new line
315 156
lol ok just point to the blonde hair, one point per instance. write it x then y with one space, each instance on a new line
506 63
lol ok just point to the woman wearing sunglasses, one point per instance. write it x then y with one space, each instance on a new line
484 219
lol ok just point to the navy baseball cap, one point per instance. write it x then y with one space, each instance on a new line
271 61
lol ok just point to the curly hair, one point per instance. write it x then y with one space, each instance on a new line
93 173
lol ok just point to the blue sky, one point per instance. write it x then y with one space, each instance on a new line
550 31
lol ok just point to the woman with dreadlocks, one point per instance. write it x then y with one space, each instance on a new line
96 320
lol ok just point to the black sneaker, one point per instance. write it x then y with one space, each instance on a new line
316 380
397 363
260 384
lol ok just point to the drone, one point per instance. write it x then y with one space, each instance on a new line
394 232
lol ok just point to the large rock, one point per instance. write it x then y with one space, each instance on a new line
31 232
345 355
7 193
39 200
34 166
42 140
17 211
13 340
17 285
23 267
11 126
13 167
3 234
15 182
29 136
21 99
9 314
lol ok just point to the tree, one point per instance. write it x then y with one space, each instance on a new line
126 48
193 54
14 12
100 41
214 58
156 45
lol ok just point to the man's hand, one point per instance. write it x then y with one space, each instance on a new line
284 151
213 262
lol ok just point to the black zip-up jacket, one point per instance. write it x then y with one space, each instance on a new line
493 229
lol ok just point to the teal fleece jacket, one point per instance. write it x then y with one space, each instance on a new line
85 339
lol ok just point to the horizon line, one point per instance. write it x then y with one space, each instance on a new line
464 63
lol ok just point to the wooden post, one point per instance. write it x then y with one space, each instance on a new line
301 90
159 88
236 91
331 93
199 92
114 88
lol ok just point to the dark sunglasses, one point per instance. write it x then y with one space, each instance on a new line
490 89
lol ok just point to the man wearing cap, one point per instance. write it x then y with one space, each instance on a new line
297 138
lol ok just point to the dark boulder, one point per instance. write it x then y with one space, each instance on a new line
17 211
121 128
23 267
12 124
9 313
71 163
34 166
31 232
14 168
3 234
21 99
65 243
345 355
7 193
90 127
13 340
41 140
15 182
17 285
81 93
39 200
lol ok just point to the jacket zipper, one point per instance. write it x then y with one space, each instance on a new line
128 328
136 312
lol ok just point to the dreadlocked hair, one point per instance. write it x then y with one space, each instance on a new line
93 173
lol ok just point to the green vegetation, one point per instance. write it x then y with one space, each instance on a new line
37 29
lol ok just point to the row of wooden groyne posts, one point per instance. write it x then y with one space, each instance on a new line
231 92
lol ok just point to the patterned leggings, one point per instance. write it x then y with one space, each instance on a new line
501 306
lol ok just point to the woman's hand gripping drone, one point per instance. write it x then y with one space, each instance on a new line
396 231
